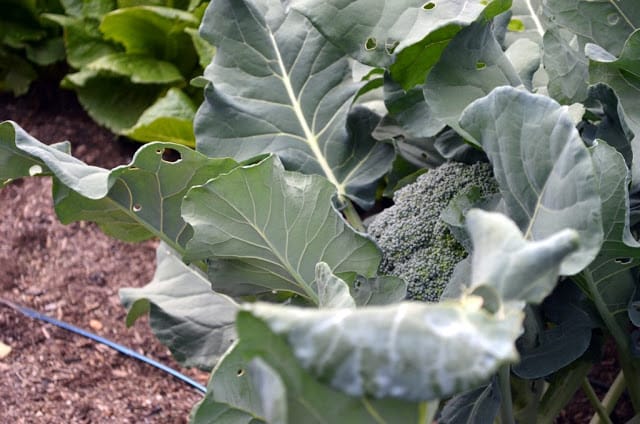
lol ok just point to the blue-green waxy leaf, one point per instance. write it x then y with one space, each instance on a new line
608 277
131 202
622 74
475 406
188 317
308 401
567 68
410 34
472 65
332 291
271 390
412 350
545 173
516 268
278 86
264 228
603 22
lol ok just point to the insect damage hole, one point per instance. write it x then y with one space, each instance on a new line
623 261
480 65
136 207
429 5
171 155
370 44
240 372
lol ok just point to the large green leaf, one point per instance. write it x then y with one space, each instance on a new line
131 202
112 101
622 74
567 68
17 162
140 69
149 30
516 268
266 229
281 87
308 401
413 350
479 406
472 65
168 119
144 197
607 23
544 171
526 21
410 34
83 40
196 323
620 251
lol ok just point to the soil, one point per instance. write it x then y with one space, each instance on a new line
73 273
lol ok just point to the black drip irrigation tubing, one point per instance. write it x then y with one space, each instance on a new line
115 346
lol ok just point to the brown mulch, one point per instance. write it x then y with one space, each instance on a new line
73 273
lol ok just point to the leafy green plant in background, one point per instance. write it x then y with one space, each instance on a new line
293 146
134 62
28 43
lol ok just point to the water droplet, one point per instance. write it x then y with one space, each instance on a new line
613 19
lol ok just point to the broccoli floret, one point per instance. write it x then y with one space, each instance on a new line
416 245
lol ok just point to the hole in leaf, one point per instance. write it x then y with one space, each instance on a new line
391 47
428 6
133 168
171 156
136 208
159 151
623 261
370 44
240 372
358 283
516 25
613 19
35 170
480 65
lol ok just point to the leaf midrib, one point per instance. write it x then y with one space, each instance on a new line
310 138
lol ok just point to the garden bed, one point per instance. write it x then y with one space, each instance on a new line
73 273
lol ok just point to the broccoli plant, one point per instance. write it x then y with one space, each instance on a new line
417 245
314 110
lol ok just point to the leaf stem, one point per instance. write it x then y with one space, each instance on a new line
629 368
595 402
563 386
506 404
351 215
611 398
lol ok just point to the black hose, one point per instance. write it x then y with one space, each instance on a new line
115 346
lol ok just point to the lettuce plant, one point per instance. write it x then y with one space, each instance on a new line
134 62
312 111
28 43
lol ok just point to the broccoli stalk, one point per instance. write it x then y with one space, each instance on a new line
416 244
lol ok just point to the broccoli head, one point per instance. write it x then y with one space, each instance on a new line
416 244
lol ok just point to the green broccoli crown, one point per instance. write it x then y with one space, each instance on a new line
416 244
